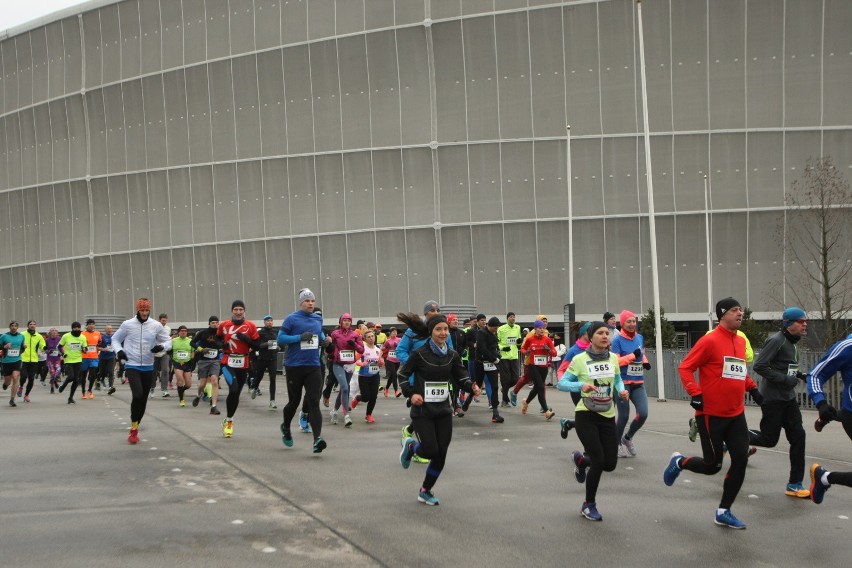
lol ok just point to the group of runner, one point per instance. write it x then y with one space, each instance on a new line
441 368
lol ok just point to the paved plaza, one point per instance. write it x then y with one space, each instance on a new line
76 494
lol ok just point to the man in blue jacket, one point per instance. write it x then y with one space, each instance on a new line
302 334
838 359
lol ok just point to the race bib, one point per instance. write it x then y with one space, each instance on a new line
236 361
436 392
792 369
540 360
312 343
90 349
373 368
347 356
210 353
511 341
635 370
12 352
54 352
75 346
392 354
182 354
489 366
272 345
600 369
555 358
734 368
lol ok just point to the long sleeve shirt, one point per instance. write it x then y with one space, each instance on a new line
720 359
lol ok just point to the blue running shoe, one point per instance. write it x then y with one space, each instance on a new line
590 511
428 498
303 423
406 453
727 519
579 472
319 445
673 469
818 488
513 398
286 437
565 425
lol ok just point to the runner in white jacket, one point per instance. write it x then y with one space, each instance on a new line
136 342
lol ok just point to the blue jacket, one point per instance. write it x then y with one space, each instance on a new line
292 327
838 359
622 346
16 341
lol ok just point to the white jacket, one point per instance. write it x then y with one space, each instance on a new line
136 339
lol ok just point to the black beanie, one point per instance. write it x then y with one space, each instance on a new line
594 326
724 305
493 322
435 320
608 315
211 319
238 304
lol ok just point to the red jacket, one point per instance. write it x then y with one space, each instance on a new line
722 396
228 331
533 346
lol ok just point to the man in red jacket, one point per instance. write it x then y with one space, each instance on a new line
717 397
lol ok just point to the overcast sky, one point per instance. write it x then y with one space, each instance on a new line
16 12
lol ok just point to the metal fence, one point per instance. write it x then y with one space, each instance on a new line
675 391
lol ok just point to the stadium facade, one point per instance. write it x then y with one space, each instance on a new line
386 152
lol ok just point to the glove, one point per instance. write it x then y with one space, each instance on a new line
638 354
801 376
506 349
697 402
157 349
827 413
647 366
756 396
326 342
121 356
306 336
243 337
351 343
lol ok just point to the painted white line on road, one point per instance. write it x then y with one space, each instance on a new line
237 522
268 549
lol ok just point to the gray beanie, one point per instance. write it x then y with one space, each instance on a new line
306 294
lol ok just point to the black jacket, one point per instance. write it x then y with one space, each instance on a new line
268 343
486 346
425 366
207 339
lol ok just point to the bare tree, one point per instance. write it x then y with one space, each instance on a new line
818 246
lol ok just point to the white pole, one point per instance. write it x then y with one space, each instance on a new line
652 225
570 216
709 258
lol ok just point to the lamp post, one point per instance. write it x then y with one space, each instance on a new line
709 257
652 225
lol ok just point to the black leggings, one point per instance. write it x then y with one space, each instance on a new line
235 387
714 431
262 366
140 384
786 415
310 379
508 376
369 387
72 375
537 375
435 435
600 442
492 378
106 370
28 374
390 371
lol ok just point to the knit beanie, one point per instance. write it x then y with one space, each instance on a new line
625 315
791 315
724 305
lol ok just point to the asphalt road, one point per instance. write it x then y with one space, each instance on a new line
75 493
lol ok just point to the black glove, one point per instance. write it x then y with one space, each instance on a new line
647 366
697 402
506 349
827 413
306 336
157 349
326 342
351 343
801 376
756 396
242 337
121 356
638 354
